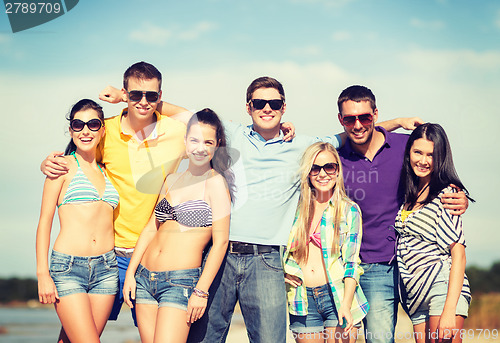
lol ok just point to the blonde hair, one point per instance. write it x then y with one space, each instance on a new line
306 202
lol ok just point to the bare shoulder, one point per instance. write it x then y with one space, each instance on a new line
216 181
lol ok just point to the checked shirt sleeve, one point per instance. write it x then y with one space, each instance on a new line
352 243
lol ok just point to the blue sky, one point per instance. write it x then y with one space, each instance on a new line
438 59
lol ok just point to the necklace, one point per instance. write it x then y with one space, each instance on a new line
421 192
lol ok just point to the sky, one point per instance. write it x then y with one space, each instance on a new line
436 59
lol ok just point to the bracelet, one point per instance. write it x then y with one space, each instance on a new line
200 293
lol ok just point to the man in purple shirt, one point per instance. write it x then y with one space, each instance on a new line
372 159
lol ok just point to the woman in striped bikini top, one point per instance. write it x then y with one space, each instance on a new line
85 200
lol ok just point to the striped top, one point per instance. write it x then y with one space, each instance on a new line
423 248
192 213
81 190
338 265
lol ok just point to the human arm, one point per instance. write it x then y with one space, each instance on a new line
344 312
410 123
456 202
220 203
47 292
114 96
54 165
447 321
350 247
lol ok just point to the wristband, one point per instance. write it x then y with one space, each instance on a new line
200 293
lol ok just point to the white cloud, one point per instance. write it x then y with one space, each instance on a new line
341 36
151 34
307 51
154 34
196 31
5 38
453 61
328 3
427 24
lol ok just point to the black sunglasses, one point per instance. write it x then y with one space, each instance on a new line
275 104
150 96
364 119
77 125
329 168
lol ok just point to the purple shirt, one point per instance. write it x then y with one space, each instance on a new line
374 186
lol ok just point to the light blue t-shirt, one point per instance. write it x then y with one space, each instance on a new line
267 184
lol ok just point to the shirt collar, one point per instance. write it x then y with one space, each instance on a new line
252 133
387 142
154 133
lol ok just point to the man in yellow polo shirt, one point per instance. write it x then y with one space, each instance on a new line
139 149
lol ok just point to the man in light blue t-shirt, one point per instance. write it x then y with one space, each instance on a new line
267 194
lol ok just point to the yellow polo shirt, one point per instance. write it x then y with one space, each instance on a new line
138 169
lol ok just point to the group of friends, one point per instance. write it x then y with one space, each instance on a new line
333 230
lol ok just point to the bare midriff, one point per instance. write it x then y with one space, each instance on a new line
176 247
314 268
86 229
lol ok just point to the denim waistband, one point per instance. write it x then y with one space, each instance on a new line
318 289
83 259
166 275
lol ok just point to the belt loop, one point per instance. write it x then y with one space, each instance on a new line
255 249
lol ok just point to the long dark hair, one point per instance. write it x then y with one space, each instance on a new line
221 162
82 105
443 173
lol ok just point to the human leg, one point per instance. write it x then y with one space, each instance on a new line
83 329
101 306
171 325
262 296
214 325
146 321
379 284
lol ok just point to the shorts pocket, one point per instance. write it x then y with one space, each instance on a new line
60 267
186 282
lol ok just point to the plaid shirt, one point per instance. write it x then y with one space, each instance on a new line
340 266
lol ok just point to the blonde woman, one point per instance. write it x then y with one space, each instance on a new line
321 262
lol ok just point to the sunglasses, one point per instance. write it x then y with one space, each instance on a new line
329 168
77 125
275 104
364 119
138 95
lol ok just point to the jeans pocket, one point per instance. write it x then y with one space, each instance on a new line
186 282
111 263
272 261
60 267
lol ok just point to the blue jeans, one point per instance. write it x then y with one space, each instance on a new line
257 282
123 263
380 285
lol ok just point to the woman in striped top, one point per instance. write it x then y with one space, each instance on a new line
431 244
83 276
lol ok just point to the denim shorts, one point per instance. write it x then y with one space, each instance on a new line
84 274
321 312
433 304
171 288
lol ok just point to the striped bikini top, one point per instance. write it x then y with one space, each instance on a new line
81 190
191 213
